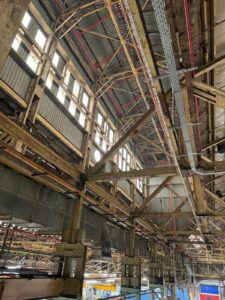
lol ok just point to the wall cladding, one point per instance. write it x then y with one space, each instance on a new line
55 116
16 77
29 201
125 186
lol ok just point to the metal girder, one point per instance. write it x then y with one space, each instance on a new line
148 199
209 93
147 172
123 140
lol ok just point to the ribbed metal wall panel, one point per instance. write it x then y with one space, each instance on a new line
33 27
75 62
17 78
139 199
125 186
53 114
42 12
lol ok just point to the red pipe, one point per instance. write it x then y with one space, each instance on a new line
192 63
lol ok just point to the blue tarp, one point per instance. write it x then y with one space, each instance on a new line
209 289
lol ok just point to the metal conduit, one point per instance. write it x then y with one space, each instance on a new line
159 10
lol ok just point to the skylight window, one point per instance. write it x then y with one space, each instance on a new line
140 184
16 43
99 119
32 61
97 138
49 81
72 108
82 119
26 19
76 89
120 162
110 135
61 95
67 77
104 146
40 38
85 99
97 155
55 59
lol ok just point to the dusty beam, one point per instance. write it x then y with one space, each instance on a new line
210 66
122 141
167 171
209 93
214 143
154 194
27 139
181 214
191 232
215 198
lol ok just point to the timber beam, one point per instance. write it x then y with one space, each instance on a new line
123 140
147 172
209 93
210 66
215 198
181 214
28 140
212 165
191 232
214 143
148 199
